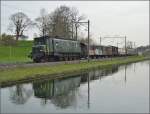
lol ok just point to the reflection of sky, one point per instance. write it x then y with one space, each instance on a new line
130 18
108 94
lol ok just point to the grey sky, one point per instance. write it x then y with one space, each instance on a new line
108 18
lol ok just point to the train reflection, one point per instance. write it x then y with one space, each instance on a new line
62 92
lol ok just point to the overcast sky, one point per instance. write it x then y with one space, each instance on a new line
107 18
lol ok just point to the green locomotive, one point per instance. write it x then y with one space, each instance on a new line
54 49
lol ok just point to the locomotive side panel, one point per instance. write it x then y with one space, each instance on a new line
49 46
66 46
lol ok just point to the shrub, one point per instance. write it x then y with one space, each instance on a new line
7 40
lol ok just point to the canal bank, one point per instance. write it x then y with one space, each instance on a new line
117 89
21 74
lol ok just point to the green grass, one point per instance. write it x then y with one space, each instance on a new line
22 73
18 53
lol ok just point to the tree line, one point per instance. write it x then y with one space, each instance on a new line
60 23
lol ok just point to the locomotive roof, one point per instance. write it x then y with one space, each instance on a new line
61 38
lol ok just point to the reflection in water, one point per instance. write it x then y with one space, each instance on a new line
125 79
125 86
19 94
62 92
98 74
43 89
88 91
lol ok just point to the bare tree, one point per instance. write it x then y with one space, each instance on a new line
19 22
76 18
42 22
129 44
62 21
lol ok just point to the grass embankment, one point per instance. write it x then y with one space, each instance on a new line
17 53
16 74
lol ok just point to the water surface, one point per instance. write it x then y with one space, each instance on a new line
112 90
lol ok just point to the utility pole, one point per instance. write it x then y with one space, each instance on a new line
125 46
76 31
87 22
100 41
88 39
72 29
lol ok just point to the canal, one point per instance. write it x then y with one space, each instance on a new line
117 89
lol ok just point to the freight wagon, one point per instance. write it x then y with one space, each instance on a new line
131 51
111 51
96 51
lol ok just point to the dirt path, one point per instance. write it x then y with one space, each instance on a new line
14 65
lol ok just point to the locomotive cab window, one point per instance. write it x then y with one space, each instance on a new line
39 41
56 44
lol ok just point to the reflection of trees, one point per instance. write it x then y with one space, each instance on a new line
19 95
65 100
43 89
61 91
98 73
62 86
64 91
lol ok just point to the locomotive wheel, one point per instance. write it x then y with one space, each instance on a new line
36 60
51 59
66 58
43 59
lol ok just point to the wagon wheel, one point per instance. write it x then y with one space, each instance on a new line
42 60
35 60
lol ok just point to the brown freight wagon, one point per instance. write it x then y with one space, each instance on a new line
111 51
